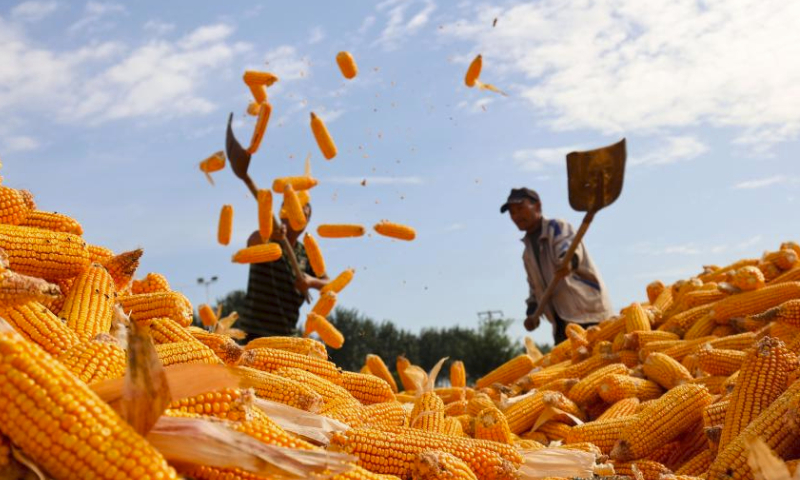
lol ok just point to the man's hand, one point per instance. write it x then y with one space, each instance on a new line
531 323
303 283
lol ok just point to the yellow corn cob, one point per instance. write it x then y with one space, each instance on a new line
340 231
225 226
785 258
395 230
27 197
661 422
303 346
386 414
428 413
327 332
152 282
42 253
347 65
280 389
89 306
703 297
636 318
523 414
146 306
378 368
630 358
714 414
98 253
682 321
491 424
792 275
586 390
451 394
692 442
224 346
294 209
264 111
617 387
555 430
602 433
213 163
697 465
749 303
36 323
619 342
435 465
748 278
95 360
298 183
323 137
602 348
761 380
452 427
648 469
454 409
314 255
507 372
325 304
770 270
337 284
636 340
166 330
267 252
665 370
179 353
729 383
739 341
577 337
606 330
347 410
53 221
123 267
56 420
13 206
228 404
458 375
712 382
474 71
16 289
664 300
654 289
396 448
254 77
259 93
563 385
717 361
207 315
621 408
325 388
701 328
540 376
787 313
770 425
270 360
265 215
680 350
367 388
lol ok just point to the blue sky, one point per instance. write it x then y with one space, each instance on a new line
108 107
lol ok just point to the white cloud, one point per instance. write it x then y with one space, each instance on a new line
205 35
316 35
376 180
18 143
761 183
94 17
478 106
33 11
328 115
454 227
366 24
287 64
398 24
157 27
536 159
674 149
694 249
624 65
682 249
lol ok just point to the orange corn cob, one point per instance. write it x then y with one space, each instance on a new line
225 225
718 361
37 324
264 111
454 409
280 389
294 209
52 221
89 306
42 253
636 319
654 289
391 414
323 137
267 252
324 304
749 303
347 65
647 469
152 282
298 183
621 408
697 465
701 328
395 230
563 385
254 77
586 390
635 340
340 230
507 372
458 376
180 353
207 315
428 413
603 433
474 71
146 306
14 208
714 414
314 255
337 284
378 368
303 346
328 390
96 360
166 330
224 346
367 388
785 258
70 420
523 414
16 289
265 216
659 423
665 370
327 332
748 278
491 424
228 404
617 387
555 430
123 267
270 360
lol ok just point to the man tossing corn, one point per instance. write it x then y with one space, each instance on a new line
274 295
581 297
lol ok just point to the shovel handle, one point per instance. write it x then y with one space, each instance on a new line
285 245
564 269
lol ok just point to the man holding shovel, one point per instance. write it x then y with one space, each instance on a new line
580 297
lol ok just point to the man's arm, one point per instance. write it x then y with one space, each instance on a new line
531 322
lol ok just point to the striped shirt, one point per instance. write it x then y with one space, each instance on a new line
272 304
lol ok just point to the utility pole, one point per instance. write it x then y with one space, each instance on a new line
490 315
207 284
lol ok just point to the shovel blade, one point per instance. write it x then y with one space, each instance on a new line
595 177
237 155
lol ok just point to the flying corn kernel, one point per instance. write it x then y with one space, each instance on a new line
474 72
225 225
214 163
395 230
323 137
347 65
260 128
